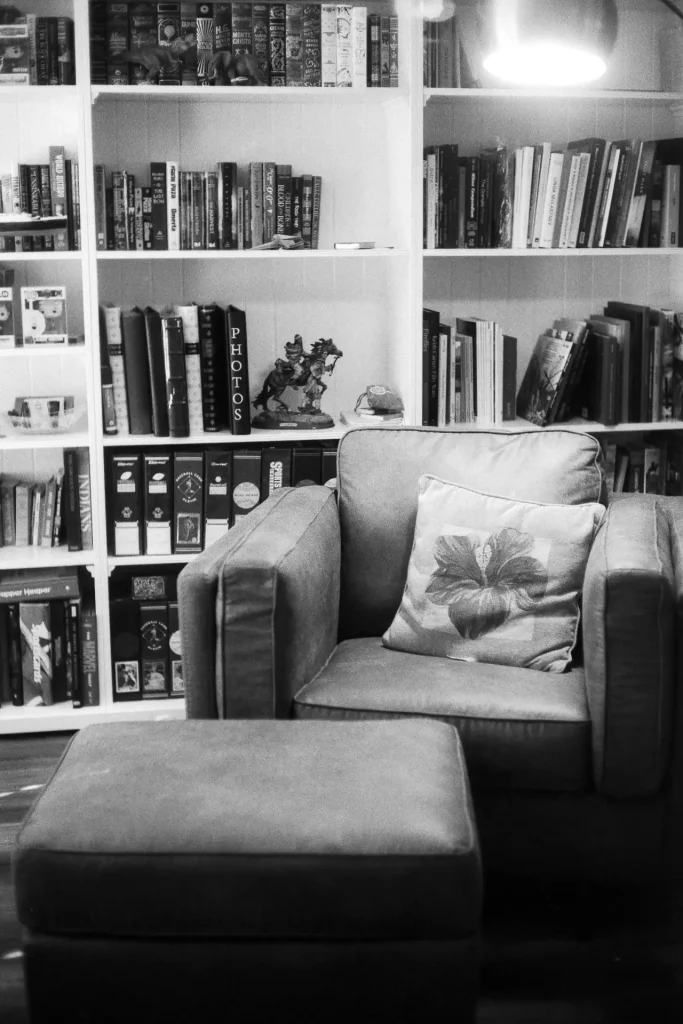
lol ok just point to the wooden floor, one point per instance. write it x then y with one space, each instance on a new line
549 964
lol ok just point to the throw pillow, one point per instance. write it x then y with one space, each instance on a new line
493 579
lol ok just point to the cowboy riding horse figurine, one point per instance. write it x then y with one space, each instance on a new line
302 372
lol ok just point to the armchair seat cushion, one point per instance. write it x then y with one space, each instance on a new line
519 728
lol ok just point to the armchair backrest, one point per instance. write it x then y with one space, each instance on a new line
377 480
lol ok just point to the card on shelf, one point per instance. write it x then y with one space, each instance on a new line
43 315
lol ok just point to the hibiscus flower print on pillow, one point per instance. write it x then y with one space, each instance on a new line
494 579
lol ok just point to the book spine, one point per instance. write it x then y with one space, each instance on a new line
53 51
256 188
176 381
129 185
127 509
158 504
73 633
197 201
551 200
307 209
114 338
616 199
328 45
579 200
59 504
139 243
16 683
242 31
118 181
36 653
65 54
124 617
344 47
188 502
159 210
49 519
640 195
210 352
136 371
384 52
238 370
294 69
359 47
228 222
570 199
72 507
84 498
657 188
46 202
374 51
670 207
509 376
276 470
277 45
259 28
393 51
606 198
188 31
32 48
186 210
222 27
109 208
246 482
312 57
211 184
315 222
172 206
89 667
205 38
100 208
269 201
58 194
42 59
147 226
297 189
193 375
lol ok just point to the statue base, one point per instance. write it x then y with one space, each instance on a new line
268 420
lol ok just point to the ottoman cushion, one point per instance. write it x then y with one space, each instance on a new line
244 829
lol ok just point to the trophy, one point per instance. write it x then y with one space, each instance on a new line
302 373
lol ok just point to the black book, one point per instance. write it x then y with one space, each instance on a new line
212 362
237 370
246 482
175 663
188 502
14 655
430 367
157 371
154 649
74 641
127 504
137 371
159 212
217 494
276 470
89 677
59 687
53 50
670 151
307 467
158 503
124 620
71 502
638 317
227 185
109 425
176 381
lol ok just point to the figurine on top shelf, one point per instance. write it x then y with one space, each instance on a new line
302 372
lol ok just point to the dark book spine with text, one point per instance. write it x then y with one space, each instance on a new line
137 371
212 352
154 649
177 405
259 25
73 632
14 655
217 494
238 370
72 510
188 502
159 210
157 371
312 48
89 667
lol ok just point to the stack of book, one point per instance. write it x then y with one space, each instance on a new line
52 512
624 365
648 465
469 371
587 194
323 45
145 648
48 639
445 63
229 208
180 503
35 50
41 190
166 373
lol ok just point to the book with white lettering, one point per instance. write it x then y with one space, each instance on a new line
39 584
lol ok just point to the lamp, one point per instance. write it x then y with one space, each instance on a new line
549 42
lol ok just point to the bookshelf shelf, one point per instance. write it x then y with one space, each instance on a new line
256 436
547 253
116 561
17 93
253 254
41 257
65 718
43 558
38 351
39 441
243 94
561 94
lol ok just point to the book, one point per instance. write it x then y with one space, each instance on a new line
172 205
159 206
246 482
189 314
542 379
154 649
157 371
84 498
136 365
328 45
212 353
276 470
35 623
359 46
188 501
158 503
38 584
306 467
175 663
89 677
176 381
43 316
58 193
277 44
127 504
124 620
16 685
72 501
669 238
237 370
217 494
551 200
110 330
344 46
7 510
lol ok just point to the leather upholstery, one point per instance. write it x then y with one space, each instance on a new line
629 649
520 729
377 475
254 830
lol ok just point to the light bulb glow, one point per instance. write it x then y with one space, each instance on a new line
545 64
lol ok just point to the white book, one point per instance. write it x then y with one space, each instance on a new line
172 205
431 200
525 198
610 181
671 195
498 373
570 199
540 202
344 46
551 200
581 183
193 371
516 200
637 156
359 44
328 47
112 325
442 395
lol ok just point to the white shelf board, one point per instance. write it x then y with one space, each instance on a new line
221 438
251 254
30 441
39 257
546 253
38 92
42 557
37 351
243 94
114 561
602 95
65 718
577 425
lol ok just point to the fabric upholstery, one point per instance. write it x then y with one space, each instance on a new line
377 475
519 728
258 610
629 649
493 579
673 508
254 830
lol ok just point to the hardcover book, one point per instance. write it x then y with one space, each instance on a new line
189 315
137 371
312 58
276 44
294 39
159 210
15 67
89 677
43 316
188 495
542 379
158 504
127 504
217 495
172 205
72 501
328 36
154 649
238 370
58 193
344 46
38 584
259 25
84 498
36 652
212 358
176 381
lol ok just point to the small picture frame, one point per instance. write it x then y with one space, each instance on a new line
126 677
154 677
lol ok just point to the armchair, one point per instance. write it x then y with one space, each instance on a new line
579 772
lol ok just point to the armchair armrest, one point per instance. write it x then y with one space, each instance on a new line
629 609
259 609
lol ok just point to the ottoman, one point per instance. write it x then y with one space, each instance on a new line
250 870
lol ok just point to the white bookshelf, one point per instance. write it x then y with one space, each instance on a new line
367 146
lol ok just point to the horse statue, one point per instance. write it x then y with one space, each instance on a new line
302 371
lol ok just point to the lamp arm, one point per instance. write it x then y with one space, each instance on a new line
672 7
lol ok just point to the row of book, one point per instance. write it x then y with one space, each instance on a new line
624 365
469 371
52 512
43 316
48 639
649 465
181 502
444 59
229 208
588 194
145 648
175 373
323 45
37 50
42 190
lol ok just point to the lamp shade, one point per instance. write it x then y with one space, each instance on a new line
548 42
